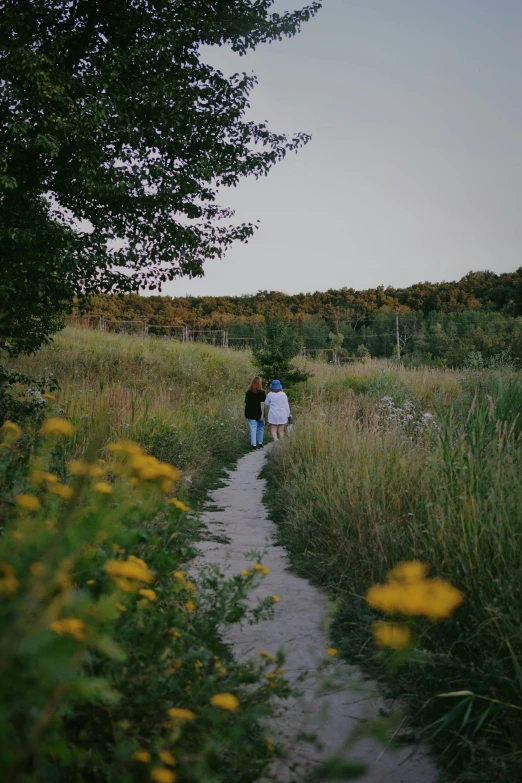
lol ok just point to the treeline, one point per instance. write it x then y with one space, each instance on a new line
442 323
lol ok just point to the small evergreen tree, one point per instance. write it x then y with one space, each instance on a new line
276 344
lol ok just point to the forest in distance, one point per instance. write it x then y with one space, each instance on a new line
475 321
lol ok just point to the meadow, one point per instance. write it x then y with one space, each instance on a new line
387 464
111 657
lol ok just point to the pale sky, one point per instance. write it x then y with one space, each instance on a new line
414 171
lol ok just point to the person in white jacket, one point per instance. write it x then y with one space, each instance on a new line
279 410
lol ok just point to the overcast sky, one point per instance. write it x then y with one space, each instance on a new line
414 171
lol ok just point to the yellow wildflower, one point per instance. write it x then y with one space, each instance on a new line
225 701
37 569
244 572
180 714
62 490
178 504
270 744
396 635
128 573
102 488
190 586
126 447
259 567
275 599
179 576
143 756
167 758
190 606
39 476
11 431
221 670
70 626
267 655
408 571
162 775
79 467
29 502
150 595
332 652
57 427
433 598
9 584
175 666
175 633
198 665
121 607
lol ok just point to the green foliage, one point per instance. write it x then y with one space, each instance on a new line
366 484
276 345
113 129
78 709
99 639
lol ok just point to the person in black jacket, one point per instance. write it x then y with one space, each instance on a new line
255 411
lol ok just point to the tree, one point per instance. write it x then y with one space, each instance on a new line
274 347
115 137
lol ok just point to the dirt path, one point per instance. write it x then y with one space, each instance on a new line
296 627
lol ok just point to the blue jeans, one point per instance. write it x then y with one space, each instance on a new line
254 426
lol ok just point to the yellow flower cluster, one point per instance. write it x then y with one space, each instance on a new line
79 467
178 504
28 502
41 477
225 701
128 574
62 490
162 775
11 431
395 635
408 592
8 582
102 488
180 714
70 626
261 569
57 426
142 467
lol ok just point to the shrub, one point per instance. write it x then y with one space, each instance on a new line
111 656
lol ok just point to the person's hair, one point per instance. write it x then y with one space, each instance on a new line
256 385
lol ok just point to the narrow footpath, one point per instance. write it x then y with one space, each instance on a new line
350 701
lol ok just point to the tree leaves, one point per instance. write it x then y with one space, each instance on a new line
109 108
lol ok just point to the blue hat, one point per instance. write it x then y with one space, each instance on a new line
276 385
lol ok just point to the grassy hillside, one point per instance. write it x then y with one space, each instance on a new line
184 402
387 465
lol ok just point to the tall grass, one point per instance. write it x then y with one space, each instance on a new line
183 402
355 491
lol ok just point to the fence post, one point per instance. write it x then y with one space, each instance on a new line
102 323
225 338
145 328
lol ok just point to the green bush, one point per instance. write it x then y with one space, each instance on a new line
111 657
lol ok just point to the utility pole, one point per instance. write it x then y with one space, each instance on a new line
397 335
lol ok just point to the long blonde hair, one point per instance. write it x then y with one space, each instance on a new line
256 385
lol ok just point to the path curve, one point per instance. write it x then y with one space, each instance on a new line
242 518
